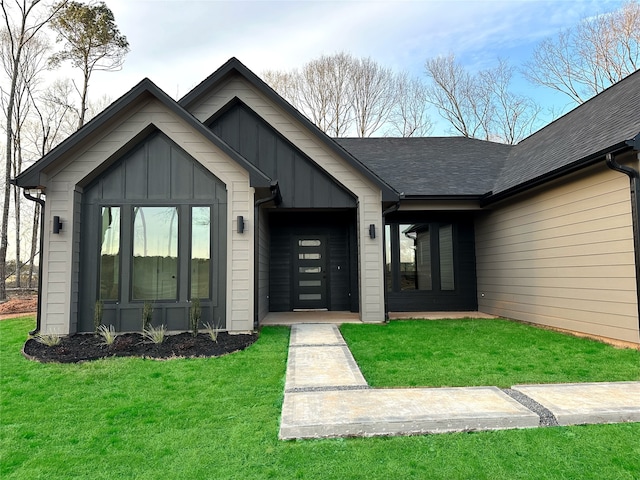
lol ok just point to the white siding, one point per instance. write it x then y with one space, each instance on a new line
370 253
59 256
563 257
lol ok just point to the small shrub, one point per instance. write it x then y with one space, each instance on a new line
48 339
108 334
147 315
155 334
195 313
212 330
97 315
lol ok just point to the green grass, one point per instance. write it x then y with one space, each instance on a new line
218 419
481 352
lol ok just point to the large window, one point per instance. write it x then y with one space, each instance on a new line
419 256
155 253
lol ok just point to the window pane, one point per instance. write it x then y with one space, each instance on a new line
387 254
310 283
155 253
110 254
423 256
446 258
415 257
200 251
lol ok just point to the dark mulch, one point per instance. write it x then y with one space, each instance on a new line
83 347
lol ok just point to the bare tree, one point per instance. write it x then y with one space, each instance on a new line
373 90
22 22
514 116
92 42
409 117
324 93
480 105
584 60
345 95
460 97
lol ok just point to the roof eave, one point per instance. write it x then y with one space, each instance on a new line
234 65
580 164
30 178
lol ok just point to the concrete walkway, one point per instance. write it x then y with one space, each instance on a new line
327 396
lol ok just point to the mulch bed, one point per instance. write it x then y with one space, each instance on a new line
84 347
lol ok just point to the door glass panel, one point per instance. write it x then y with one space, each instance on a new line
310 283
155 253
110 254
309 243
309 256
447 281
200 251
310 296
310 269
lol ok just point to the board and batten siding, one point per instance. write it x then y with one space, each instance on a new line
370 251
62 196
263 264
563 256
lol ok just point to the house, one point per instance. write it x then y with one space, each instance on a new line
232 196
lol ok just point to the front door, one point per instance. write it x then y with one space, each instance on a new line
310 272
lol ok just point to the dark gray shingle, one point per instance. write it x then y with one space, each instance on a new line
431 165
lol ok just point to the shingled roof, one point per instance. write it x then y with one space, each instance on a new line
586 133
431 166
457 166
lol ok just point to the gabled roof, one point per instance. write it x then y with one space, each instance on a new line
234 67
144 90
600 125
432 166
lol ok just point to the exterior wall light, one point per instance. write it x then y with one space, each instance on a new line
372 231
240 224
57 224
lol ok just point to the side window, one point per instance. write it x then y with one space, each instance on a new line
200 252
110 254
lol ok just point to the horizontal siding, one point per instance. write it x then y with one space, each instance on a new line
59 256
563 257
370 251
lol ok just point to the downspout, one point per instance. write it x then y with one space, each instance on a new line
40 260
391 209
277 198
634 181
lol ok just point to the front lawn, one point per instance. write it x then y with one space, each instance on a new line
218 418
467 352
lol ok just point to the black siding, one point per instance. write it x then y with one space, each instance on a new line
302 183
155 172
339 227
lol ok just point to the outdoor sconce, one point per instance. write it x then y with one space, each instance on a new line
240 224
57 224
372 231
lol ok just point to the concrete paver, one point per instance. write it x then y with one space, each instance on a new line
315 334
313 367
579 403
326 395
400 412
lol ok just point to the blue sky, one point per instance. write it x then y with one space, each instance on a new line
177 43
